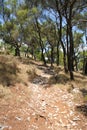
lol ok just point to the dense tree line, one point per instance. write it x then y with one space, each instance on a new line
48 28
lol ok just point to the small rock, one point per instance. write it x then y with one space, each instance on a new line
76 119
44 104
73 123
76 90
2 127
18 118
28 119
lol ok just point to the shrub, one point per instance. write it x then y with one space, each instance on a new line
31 73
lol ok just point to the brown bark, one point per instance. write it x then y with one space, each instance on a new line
40 42
58 53
60 36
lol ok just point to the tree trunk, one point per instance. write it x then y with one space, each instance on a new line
42 56
17 51
68 56
58 53
64 58
85 66
52 58
71 66
60 39
76 64
40 42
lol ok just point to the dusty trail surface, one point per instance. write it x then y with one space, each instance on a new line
38 105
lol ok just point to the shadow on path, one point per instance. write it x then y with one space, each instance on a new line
82 109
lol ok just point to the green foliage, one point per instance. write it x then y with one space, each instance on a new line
10 49
38 54
38 24
7 13
9 26
61 58
23 48
34 10
22 15
78 39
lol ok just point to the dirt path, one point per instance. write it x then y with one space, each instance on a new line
39 106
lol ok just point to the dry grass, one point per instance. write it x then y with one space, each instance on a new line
17 70
4 92
13 73
77 87
31 73
8 70
59 76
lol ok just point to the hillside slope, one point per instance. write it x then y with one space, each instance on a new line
35 97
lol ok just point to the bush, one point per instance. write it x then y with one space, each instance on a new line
8 70
31 73
4 92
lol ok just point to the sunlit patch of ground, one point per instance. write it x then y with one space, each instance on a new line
40 97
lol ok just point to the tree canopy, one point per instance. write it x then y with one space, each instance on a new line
46 28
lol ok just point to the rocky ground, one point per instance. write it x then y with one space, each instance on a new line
39 105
